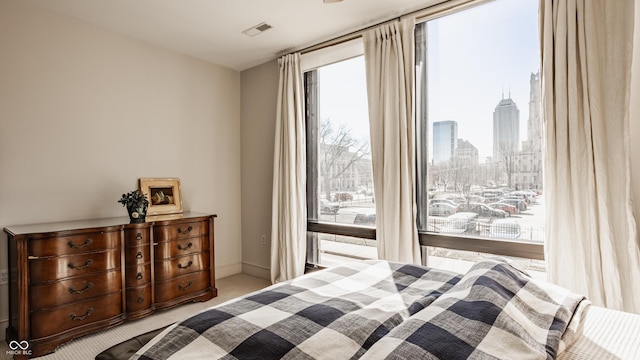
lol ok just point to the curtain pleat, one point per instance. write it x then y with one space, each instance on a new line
289 209
592 242
389 63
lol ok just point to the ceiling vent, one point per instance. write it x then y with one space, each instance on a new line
258 29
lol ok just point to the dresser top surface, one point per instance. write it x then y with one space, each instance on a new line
93 223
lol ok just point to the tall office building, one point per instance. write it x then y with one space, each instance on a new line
445 138
534 125
529 160
506 128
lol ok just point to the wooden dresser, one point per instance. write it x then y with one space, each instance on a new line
69 279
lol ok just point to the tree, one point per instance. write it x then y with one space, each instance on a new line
508 158
339 151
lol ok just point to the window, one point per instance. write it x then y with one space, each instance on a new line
479 129
340 182
478 148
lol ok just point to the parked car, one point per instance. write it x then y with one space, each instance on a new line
510 209
442 209
342 196
328 207
518 195
483 210
519 203
443 201
365 218
505 229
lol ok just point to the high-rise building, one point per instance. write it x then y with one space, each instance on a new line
445 138
529 160
506 129
534 124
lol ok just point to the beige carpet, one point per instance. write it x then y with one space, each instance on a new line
87 347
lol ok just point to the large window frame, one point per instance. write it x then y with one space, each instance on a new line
515 248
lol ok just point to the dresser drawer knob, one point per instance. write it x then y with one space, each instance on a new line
72 290
180 266
73 316
80 267
87 242
180 231
180 287
139 276
189 245
139 255
140 299
139 236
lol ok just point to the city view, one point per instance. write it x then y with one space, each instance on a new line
484 171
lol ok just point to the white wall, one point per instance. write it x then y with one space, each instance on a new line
85 112
259 97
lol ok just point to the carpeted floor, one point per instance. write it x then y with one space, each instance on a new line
87 347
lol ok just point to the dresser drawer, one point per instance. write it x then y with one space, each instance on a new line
181 230
75 289
171 268
137 255
138 298
46 323
167 250
137 234
74 244
49 269
138 275
181 286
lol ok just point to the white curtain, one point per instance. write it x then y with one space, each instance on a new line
289 206
388 51
592 242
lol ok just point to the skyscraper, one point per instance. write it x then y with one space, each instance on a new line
506 128
534 124
529 163
445 138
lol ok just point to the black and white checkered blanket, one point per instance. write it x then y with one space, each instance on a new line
377 310
494 312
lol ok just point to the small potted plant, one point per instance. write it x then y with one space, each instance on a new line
137 204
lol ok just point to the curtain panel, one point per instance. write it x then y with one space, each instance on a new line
591 237
388 51
289 205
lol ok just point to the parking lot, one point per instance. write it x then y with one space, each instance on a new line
531 221
336 249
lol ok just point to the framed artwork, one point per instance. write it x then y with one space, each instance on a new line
163 194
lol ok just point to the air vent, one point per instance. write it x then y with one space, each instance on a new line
258 29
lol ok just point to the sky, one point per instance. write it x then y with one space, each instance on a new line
475 57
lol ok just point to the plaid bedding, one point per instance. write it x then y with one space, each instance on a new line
494 312
382 310
329 314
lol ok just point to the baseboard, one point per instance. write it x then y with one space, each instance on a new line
258 271
228 270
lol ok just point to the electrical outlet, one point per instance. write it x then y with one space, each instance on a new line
4 276
263 239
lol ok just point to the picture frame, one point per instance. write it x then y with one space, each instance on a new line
163 194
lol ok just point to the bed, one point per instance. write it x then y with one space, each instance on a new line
386 310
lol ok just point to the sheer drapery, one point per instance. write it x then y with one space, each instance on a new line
591 237
389 63
289 209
